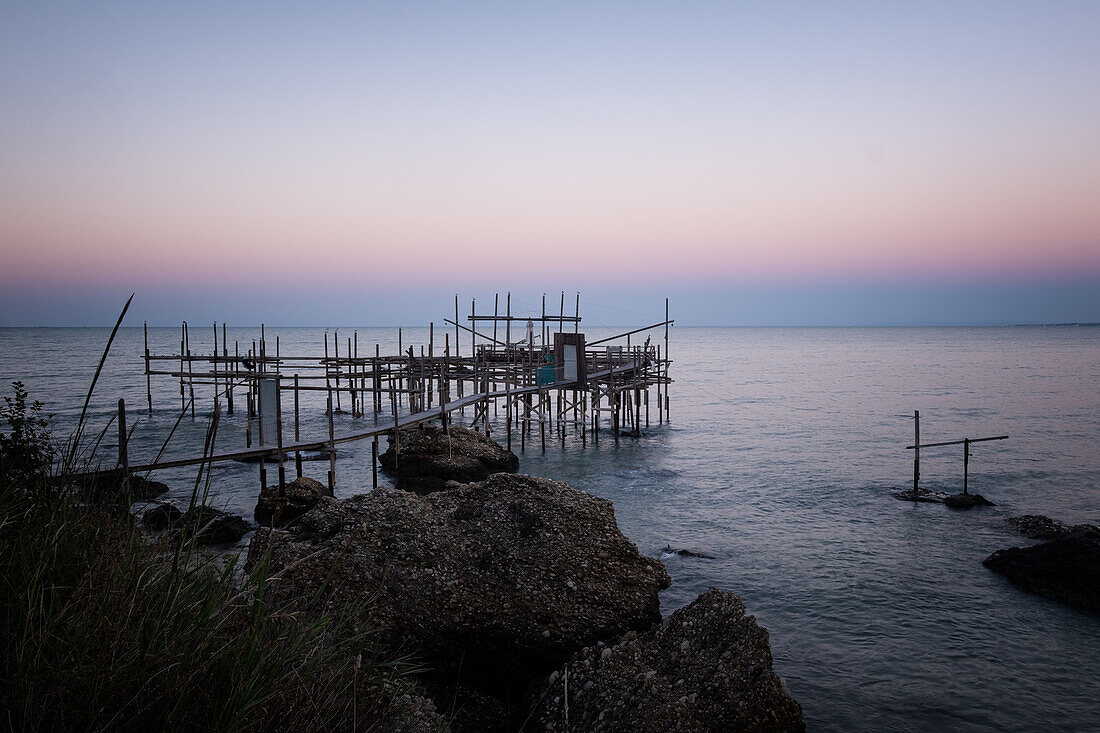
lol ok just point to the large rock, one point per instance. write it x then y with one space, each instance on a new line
708 667
211 526
504 578
161 517
1066 569
431 456
280 506
109 486
1038 527
966 501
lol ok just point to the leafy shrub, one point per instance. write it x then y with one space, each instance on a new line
25 449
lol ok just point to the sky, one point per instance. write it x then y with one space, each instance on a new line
771 163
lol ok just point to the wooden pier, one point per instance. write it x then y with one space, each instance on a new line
537 367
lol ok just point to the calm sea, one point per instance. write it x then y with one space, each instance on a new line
783 449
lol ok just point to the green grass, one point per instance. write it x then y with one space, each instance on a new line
104 631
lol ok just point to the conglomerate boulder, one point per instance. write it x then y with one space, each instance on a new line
1065 569
279 505
708 667
1038 527
429 456
503 579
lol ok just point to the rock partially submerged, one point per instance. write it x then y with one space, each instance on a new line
505 578
708 667
955 501
161 517
211 526
280 506
684 552
109 486
430 456
1066 569
1038 527
966 501
920 495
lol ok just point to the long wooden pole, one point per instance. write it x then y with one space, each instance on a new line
297 433
331 449
916 451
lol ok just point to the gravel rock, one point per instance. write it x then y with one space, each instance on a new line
1038 527
430 457
708 667
278 508
503 578
1066 569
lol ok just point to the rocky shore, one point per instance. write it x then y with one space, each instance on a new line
1065 568
501 585
431 456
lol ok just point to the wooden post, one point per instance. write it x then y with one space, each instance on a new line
561 313
431 362
331 449
667 362
596 415
279 429
190 369
443 382
584 416
966 461
508 408
396 430
351 379
297 432
215 362
376 380
577 323
236 367
660 415
916 451
148 376
248 424
616 412
123 449
496 311
374 462
336 357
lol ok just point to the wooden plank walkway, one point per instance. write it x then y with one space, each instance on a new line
403 421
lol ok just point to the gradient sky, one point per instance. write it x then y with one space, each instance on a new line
762 163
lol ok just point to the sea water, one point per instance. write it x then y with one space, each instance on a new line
779 459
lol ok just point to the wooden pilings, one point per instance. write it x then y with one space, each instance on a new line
965 443
525 377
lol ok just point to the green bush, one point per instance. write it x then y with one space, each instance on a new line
25 449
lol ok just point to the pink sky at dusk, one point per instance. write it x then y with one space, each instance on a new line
671 144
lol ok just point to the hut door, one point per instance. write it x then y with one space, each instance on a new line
569 362
569 357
